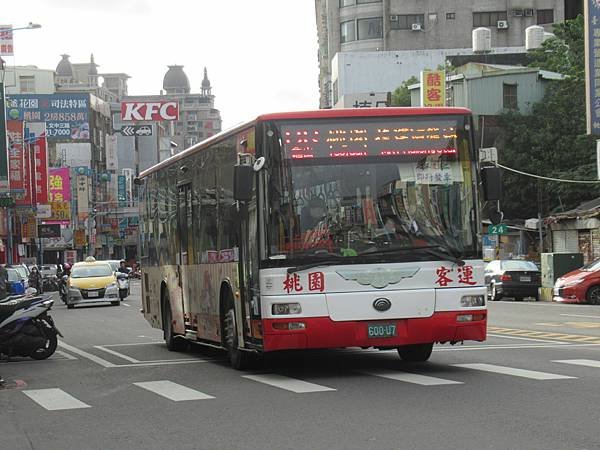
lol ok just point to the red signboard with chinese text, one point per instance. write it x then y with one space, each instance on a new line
18 163
35 133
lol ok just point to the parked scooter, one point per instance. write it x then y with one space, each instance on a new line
26 328
123 282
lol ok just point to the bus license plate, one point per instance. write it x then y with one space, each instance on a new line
381 330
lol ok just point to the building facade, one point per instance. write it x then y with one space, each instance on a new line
384 25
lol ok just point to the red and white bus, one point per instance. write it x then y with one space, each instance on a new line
320 229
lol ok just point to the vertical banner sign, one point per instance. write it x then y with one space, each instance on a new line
433 88
59 195
82 197
122 190
4 185
35 135
6 40
111 152
16 159
592 65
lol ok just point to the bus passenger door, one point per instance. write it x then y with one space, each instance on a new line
185 253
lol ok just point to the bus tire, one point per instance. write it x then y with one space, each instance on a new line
239 359
174 343
416 352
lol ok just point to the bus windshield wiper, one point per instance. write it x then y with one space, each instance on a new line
444 253
332 259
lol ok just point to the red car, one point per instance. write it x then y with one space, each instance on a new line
579 286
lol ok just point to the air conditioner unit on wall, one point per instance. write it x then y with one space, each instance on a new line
416 27
502 24
517 12
393 18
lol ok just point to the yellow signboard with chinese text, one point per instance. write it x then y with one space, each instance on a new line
60 211
433 88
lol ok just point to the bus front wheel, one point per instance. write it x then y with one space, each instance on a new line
416 352
238 359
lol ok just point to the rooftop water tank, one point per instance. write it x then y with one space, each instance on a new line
534 36
482 40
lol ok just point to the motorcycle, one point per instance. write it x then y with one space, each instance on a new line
50 284
62 288
26 328
123 282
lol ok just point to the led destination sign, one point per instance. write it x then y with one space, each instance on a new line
406 137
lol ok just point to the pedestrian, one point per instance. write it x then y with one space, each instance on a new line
35 279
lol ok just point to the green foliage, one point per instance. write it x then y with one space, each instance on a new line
401 96
552 141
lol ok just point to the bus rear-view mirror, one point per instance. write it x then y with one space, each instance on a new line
243 177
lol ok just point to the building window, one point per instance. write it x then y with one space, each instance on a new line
370 28
360 2
344 3
509 96
545 16
27 84
450 16
348 33
405 21
489 18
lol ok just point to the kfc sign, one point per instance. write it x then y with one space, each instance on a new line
156 111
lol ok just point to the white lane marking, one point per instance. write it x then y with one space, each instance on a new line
120 355
135 343
173 391
287 383
513 347
93 358
125 304
513 371
147 364
521 338
580 315
65 354
580 362
414 378
54 399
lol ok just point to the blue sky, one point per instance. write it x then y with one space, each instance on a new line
261 55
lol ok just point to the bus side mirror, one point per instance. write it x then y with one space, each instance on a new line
491 178
243 179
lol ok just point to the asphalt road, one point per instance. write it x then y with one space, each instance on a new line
113 385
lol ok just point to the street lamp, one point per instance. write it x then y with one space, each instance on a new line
3 141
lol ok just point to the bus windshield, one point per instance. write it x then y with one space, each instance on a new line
355 187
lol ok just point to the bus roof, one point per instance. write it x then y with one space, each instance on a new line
298 115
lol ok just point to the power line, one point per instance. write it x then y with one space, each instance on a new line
560 180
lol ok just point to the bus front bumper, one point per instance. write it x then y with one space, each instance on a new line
322 332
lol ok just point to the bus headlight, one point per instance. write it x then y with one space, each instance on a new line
281 309
467 301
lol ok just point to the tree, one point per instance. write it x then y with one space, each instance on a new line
552 141
401 96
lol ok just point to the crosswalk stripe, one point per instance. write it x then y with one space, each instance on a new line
54 399
287 383
173 391
513 371
414 378
580 362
